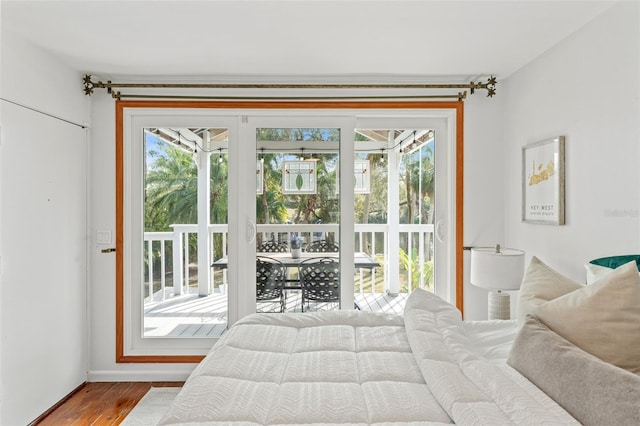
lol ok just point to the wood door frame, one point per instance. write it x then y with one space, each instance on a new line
120 106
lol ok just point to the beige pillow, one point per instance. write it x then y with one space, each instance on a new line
593 391
602 319
539 285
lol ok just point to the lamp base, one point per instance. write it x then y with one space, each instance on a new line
499 305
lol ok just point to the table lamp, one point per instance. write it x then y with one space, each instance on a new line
497 269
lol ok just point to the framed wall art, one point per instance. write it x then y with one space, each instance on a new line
543 182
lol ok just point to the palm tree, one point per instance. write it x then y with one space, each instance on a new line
419 185
423 182
171 190
270 206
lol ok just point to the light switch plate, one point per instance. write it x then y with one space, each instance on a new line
103 237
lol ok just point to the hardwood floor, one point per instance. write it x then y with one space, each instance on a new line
101 404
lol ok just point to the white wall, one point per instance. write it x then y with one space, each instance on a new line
586 88
484 196
43 186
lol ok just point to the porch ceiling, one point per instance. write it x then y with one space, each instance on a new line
190 138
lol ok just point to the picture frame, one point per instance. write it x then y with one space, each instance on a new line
543 187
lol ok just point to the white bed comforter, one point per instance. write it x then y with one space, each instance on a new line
425 367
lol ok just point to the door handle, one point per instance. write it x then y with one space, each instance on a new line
438 231
251 231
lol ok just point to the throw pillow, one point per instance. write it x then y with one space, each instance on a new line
592 391
539 285
602 318
595 272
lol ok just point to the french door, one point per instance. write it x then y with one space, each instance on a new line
365 180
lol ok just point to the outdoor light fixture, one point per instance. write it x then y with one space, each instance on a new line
497 270
220 155
194 156
418 139
382 156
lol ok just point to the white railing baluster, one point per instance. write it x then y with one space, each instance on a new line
410 261
224 254
385 257
150 268
163 274
186 263
361 272
212 247
177 262
421 258
373 254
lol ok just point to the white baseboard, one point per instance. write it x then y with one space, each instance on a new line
176 375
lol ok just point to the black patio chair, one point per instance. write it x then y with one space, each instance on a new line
320 280
270 275
272 247
322 246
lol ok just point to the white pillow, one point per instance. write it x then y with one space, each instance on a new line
539 285
602 319
595 272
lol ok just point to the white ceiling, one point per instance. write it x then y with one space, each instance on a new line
298 38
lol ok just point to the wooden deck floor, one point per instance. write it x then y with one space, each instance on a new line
193 316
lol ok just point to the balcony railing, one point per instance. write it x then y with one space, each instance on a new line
168 255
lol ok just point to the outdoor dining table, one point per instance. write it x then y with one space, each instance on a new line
361 260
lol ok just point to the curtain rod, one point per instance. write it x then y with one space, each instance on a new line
90 85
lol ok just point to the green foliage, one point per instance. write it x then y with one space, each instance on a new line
171 190
411 264
307 208
417 186
372 207
171 193
219 191
270 206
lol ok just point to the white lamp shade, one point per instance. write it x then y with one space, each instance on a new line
497 271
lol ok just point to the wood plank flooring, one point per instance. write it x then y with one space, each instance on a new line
101 404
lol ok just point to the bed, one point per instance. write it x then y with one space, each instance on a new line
427 366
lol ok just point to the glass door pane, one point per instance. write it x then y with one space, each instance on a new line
185 214
297 219
394 214
416 188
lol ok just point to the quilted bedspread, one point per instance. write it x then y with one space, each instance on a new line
350 367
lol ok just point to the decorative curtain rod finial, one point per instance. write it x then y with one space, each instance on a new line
88 84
